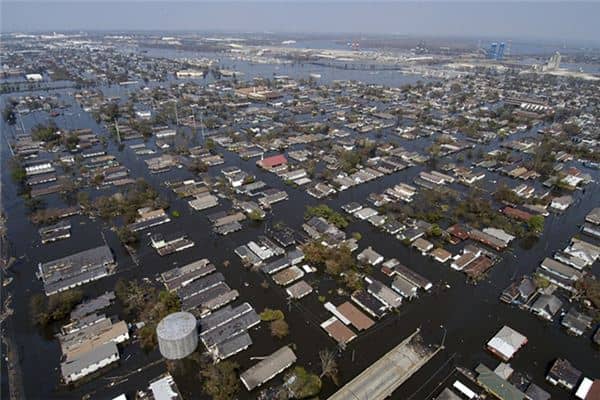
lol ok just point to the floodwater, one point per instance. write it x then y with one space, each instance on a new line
468 316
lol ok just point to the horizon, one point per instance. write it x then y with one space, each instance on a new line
539 20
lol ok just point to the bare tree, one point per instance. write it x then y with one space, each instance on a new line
329 367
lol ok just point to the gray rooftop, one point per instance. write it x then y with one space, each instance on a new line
89 358
268 368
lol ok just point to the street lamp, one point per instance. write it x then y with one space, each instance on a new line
443 337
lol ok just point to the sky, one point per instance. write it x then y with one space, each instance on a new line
553 20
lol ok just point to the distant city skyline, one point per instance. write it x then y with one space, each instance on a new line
565 21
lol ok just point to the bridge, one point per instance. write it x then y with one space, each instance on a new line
387 374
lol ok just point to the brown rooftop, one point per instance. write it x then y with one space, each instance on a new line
337 330
356 317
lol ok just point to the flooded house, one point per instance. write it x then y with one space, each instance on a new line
77 269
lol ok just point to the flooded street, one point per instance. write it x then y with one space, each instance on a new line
464 315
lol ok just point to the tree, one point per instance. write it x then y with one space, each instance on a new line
435 230
269 315
535 224
198 166
17 171
144 302
8 114
329 367
54 308
279 328
220 380
255 215
303 384
210 144
45 133
127 236
324 211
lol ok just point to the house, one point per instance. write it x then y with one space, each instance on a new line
588 389
591 229
494 384
77 366
77 269
534 392
413 234
338 331
299 289
34 77
461 261
351 208
369 303
383 293
546 306
519 292
422 245
583 250
458 232
564 374
164 388
478 267
365 213
576 322
499 234
407 289
359 320
369 256
561 203
515 213
571 260
169 244
318 227
506 343
558 273
377 220
594 216
272 162
440 255
487 239
392 226
268 368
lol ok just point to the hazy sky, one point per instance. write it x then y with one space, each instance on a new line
538 19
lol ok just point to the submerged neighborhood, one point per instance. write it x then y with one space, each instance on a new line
215 217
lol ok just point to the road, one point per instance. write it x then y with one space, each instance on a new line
386 375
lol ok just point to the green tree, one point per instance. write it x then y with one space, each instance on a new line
303 383
535 224
220 380
324 211
269 315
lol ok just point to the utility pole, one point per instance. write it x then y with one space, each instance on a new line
202 126
117 129
21 121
